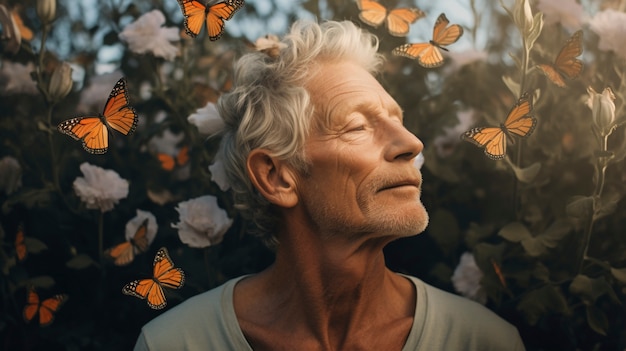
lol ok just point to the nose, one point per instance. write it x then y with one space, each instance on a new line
402 144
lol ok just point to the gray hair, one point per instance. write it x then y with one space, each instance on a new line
269 107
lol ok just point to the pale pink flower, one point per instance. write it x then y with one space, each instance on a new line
146 35
466 279
134 224
610 26
100 188
218 174
202 222
95 95
10 175
15 78
207 119
569 13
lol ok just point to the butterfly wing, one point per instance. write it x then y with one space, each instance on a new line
121 254
118 114
20 245
372 12
492 139
566 65
219 13
195 15
566 62
146 289
444 35
400 20
427 55
49 307
140 241
90 130
519 121
32 305
152 289
164 271
167 161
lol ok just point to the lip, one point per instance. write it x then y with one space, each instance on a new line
402 183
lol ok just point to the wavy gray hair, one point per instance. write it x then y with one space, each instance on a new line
269 107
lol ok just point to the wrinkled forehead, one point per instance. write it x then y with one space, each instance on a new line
337 89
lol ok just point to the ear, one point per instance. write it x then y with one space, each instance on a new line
273 178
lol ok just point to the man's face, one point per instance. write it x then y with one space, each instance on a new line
361 180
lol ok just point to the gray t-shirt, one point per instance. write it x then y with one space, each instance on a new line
442 321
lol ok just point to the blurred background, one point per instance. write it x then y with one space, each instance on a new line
538 236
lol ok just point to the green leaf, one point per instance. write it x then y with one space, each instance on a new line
515 232
80 262
580 207
43 281
34 245
535 30
539 302
513 86
590 289
596 318
534 247
555 233
525 175
619 274
607 204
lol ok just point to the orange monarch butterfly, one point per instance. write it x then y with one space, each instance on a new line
397 20
196 13
498 270
46 308
566 64
165 275
20 244
494 139
428 54
124 253
93 131
168 162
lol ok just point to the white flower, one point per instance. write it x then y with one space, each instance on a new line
15 78
160 197
166 143
135 223
610 26
100 188
10 175
444 144
94 96
567 12
207 119
466 279
146 35
218 174
602 109
202 222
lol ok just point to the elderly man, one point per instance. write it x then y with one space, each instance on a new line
319 158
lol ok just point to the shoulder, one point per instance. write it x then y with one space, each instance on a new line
460 323
208 320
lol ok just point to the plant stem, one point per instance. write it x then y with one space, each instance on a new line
101 237
600 171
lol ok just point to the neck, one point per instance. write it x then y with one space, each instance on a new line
332 286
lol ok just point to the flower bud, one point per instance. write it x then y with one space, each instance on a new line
523 16
602 109
60 82
46 10
11 37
